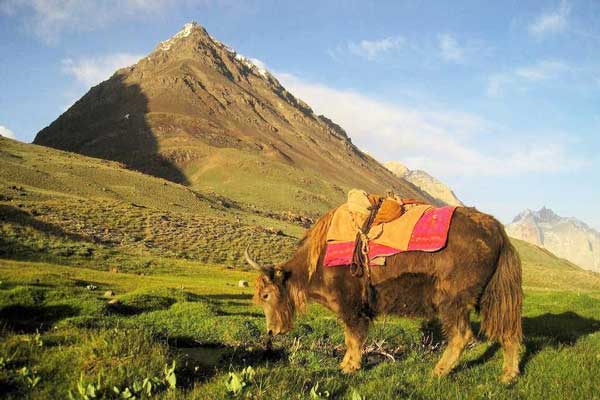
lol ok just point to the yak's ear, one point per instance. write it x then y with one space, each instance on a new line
281 275
268 273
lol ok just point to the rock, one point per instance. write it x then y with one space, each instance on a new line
109 293
243 283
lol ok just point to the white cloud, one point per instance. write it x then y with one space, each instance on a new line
496 84
93 70
7 133
544 70
450 49
49 19
370 49
554 21
442 142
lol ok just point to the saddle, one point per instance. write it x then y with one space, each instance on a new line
367 211
377 210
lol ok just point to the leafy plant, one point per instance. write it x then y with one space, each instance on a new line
37 339
146 387
170 377
315 394
236 383
87 391
30 377
4 361
124 394
355 395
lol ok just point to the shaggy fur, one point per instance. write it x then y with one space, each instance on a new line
479 269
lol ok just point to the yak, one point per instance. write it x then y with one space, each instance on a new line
478 270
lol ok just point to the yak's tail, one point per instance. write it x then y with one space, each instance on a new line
502 298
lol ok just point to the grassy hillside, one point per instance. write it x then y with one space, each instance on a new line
58 206
73 228
544 270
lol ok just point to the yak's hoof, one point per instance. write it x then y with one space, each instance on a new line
509 377
440 371
349 367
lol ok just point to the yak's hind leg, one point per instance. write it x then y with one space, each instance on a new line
510 368
457 328
355 333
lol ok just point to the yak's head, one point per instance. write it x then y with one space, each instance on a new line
277 295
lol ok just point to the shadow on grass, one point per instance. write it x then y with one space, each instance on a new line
542 331
201 362
15 248
241 296
28 319
141 304
15 215
249 314
554 330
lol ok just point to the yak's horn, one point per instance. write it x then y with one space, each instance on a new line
253 263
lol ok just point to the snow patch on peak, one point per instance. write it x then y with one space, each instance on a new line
187 29
223 45
254 64
260 66
184 32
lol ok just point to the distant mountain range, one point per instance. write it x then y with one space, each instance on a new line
196 112
566 237
425 182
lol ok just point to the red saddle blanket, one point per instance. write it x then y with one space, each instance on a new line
429 234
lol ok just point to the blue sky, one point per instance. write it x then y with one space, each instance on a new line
499 100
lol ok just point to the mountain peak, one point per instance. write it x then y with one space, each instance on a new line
186 31
425 182
543 215
546 214
397 168
193 42
569 238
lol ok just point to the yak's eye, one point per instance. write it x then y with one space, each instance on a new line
265 296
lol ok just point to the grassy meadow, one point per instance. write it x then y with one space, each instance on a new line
118 285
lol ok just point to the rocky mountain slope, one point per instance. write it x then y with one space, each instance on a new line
566 237
196 112
425 182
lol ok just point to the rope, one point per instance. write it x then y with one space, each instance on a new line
360 259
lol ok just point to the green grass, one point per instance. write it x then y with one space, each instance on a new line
172 257
197 316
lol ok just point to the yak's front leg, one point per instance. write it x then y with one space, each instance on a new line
355 333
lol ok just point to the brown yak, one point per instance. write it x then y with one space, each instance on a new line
479 269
